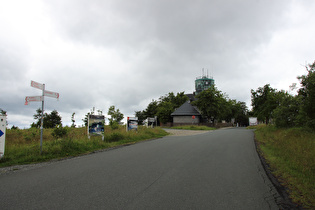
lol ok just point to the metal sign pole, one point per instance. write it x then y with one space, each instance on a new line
41 98
42 122
88 126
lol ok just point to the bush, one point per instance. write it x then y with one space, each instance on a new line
59 131
113 124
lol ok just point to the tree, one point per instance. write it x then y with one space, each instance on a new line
14 127
237 110
2 112
167 105
72 119
50 120
116 115
141 116
211 103
307 94
164 111
286 114
264 102
86 119
151 109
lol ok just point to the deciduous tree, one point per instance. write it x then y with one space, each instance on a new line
50 120
307 93
264 101
116 115
211 103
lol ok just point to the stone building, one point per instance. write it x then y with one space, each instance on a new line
186 114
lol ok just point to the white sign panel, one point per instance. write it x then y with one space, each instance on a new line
3 126
253 121
51 94
33 98
37 85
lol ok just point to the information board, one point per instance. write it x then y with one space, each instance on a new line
96 125
132 123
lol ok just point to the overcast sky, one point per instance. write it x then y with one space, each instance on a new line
98 53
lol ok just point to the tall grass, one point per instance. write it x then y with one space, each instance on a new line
291 156
22 146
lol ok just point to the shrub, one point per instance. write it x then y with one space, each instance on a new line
59 131
113 124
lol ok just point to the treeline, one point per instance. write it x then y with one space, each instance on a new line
214 105
163 107
284 109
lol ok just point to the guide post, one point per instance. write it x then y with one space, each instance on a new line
40 98
3 126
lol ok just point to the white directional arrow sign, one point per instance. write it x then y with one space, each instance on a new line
33 98
51 94
37 85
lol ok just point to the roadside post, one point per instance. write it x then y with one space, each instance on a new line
152 121
3 126
42 99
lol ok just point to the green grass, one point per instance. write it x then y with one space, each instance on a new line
291 156
22 146
193 127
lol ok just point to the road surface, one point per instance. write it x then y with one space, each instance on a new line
213 170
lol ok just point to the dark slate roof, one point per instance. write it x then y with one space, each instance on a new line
186 110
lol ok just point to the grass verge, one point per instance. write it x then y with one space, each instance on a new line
22 146
193 127
290 154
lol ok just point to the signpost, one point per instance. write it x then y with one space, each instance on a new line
3 126
51 94
37 85
40 98
33 98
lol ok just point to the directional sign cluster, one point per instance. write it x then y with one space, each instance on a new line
40 98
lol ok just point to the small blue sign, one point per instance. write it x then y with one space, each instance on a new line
1 133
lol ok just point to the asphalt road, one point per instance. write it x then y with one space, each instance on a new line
215 170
